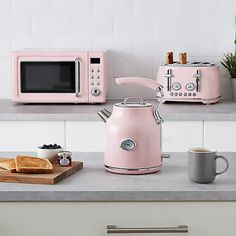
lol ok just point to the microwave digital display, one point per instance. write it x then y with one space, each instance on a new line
48 77
95 60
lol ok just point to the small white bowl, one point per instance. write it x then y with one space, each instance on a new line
50 154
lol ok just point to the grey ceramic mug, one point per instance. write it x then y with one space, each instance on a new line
202 165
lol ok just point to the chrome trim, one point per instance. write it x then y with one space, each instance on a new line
176 84
192 98
168 75
165 156
191 64
130 140
121 104
95 92
108 113
103 115
133 169
139 101
77 90
198 77
186 86
156 113
113 229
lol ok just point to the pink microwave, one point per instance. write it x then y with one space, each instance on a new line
59 77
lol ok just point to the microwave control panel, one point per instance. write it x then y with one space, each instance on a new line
96 77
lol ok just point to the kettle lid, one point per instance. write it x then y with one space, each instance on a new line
133 102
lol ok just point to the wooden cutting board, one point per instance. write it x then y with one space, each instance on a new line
59 173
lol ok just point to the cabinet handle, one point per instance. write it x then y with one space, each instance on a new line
113 229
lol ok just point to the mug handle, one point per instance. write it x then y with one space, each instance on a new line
227 164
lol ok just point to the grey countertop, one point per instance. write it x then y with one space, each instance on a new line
224 110
93 183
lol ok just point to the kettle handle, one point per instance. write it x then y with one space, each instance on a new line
141 81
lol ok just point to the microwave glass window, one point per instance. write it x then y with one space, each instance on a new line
48 77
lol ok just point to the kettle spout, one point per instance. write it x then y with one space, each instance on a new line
108 113
104 114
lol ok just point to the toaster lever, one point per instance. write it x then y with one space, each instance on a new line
197 76
168 75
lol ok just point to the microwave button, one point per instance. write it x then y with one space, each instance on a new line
98 83
92 77
190 86
98 70
92 70
98 77
92 83
176 86
95 92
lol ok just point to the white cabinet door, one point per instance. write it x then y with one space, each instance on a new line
85 136
91 219
220 135
27 135
178 136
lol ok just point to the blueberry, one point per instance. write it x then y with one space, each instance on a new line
50 146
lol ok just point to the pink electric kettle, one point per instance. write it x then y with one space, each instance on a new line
133 132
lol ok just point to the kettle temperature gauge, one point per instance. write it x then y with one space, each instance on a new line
128 144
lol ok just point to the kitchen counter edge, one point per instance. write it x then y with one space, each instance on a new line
9 111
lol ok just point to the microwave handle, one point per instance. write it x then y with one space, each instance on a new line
77 91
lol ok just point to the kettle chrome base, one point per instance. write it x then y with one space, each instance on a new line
133 171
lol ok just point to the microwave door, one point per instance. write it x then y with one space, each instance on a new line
50 77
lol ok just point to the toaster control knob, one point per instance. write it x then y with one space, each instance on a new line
95 92
176 86
128 144
190 86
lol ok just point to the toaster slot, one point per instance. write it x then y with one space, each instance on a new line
197 75
168 75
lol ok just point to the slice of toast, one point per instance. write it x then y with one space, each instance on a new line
36 165
8 164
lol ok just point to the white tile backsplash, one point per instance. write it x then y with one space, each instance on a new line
70 8
31 8
5 46
142 66
136 33
31 41
113 7
54 25
5 8
14 25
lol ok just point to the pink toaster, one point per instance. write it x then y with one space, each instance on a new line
191 82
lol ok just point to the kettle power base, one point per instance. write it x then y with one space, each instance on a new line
135 171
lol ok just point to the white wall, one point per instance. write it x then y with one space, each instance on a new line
137 33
